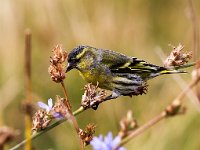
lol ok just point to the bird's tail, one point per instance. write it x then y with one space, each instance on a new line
169 71
163 70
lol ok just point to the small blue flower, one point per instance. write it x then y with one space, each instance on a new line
49 109
106 143
45 106
58 115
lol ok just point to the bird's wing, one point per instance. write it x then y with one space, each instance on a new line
114 59
119 63
137 66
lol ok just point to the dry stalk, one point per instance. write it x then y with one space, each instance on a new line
171 110
28 99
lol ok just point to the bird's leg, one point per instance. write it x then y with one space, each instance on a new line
95 106
114 95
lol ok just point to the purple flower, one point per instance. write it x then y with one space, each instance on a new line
45 106
106 143
58 115
50 109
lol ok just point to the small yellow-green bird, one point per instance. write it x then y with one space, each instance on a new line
121 74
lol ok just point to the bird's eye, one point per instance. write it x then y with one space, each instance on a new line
75 60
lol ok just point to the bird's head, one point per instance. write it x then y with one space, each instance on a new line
75 57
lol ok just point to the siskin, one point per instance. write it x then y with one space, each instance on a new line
121 74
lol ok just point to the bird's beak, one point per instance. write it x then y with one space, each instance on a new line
70 66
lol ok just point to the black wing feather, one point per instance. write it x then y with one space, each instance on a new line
137 66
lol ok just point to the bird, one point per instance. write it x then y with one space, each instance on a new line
122 75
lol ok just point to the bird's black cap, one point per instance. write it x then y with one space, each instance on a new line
72 57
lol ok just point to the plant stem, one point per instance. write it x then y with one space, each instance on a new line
176 103
195 28
56 123
64 90
141 129
28 118
66 97
188 88
186 65
75 124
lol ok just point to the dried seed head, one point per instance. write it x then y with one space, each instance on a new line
60 109
92 96
175 108
48 112
177 57
40 120
59 55
57 66
7 134
28 107
127 124
57 73
87 134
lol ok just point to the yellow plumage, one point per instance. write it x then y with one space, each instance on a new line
121 74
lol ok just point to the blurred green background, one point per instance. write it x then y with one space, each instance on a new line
134 27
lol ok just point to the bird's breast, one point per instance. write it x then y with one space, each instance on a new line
97 75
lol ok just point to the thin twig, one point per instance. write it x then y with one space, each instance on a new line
75 124
195 40
185 65
37 134
66 96
190 86
141 129
194 21
191 95
174 106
